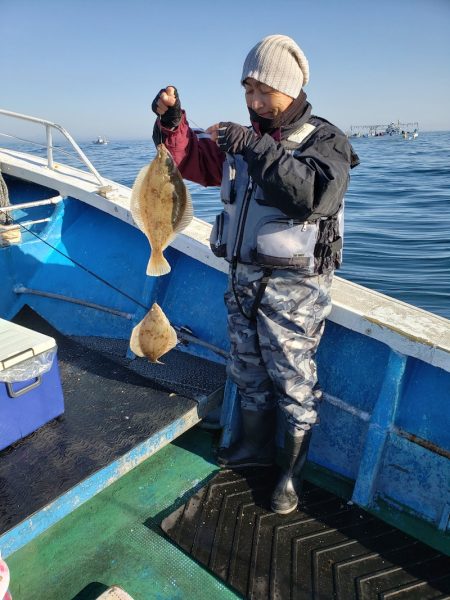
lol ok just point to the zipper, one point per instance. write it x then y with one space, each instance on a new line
232 180
218 241
242 220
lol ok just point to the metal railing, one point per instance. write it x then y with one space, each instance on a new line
49 127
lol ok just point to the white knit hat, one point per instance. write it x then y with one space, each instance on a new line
277 61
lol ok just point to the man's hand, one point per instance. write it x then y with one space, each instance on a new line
213 131
231 137
167 105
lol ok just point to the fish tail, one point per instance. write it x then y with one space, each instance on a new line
158 265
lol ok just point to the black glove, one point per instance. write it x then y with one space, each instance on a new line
172 116
234 138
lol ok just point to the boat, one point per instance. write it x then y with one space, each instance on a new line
101 140
121 488
406 130
408 135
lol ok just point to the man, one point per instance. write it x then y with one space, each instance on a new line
283 182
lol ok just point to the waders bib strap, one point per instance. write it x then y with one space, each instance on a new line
259 294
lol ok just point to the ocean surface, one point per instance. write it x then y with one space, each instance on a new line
397 217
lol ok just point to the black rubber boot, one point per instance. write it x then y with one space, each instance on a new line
292 462
256 447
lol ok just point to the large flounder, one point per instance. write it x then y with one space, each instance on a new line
153 336
161 206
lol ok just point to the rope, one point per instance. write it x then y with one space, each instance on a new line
5 218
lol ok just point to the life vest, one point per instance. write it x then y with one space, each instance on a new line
251 231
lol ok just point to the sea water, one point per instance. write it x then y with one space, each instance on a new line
397 216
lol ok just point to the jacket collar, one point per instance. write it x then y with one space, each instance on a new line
288 121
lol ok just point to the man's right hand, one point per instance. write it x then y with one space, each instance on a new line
167 106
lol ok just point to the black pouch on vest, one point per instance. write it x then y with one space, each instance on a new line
329 245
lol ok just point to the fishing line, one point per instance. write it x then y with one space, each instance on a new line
79 264
196 124
161 141
160 127
182 335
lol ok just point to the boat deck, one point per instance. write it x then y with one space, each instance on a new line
327 548
89 460
116 538
115 417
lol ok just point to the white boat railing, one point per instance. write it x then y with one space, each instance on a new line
49 127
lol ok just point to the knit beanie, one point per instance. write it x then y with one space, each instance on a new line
278 62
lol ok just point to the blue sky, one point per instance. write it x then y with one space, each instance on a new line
94 66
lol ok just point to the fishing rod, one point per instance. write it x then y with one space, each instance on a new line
183 334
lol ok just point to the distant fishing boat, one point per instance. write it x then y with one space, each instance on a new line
100 140
406 130
85 496
410 135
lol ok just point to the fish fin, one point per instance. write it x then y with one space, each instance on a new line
135 196
171 343
174 338
188 214
158 265
135 345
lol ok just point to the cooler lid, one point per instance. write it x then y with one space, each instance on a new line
18 343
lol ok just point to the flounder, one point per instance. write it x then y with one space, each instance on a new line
161 206
153 336
115 593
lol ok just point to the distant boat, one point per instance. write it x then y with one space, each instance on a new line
100 140
407 135
406 130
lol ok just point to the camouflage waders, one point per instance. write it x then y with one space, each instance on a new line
272 357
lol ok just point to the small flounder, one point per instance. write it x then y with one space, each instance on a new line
153 336
161 206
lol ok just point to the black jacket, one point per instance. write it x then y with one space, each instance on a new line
309 183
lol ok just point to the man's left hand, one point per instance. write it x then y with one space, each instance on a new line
231 137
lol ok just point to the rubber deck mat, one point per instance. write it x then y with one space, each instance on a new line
109 410
186 374
326 549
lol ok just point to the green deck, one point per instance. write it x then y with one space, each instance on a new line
115 537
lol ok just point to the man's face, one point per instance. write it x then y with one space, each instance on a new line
264 100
